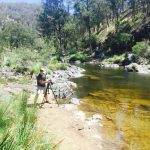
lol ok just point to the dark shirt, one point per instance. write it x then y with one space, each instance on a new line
41 78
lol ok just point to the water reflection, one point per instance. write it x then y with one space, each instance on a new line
123 99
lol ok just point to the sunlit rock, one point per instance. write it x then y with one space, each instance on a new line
79 115
75 101
97 116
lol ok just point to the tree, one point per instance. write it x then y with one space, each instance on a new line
14 35
52 21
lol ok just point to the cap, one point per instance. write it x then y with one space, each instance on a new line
42 69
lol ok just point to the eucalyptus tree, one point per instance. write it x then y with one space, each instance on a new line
52 21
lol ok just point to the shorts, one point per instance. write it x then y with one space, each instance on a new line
39 89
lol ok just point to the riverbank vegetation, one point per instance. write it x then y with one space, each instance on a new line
55 33
18 128
70 31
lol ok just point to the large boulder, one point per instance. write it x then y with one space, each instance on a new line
62 87
128 59
134 67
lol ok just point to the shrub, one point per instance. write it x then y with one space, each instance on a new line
35 68
122 38
141 51
118 43
24 80
125 26
57 66
78 56
116 59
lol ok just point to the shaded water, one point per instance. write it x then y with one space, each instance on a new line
124 101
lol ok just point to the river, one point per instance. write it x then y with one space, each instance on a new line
123 99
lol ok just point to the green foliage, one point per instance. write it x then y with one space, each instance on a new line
137 20
18 126
141 50
55 65
15 35
107 24
116 59
122 38
35 68
54 61
22 59
24 80
1 54
125 26
58 66
118 42
78 56
52 21
39 44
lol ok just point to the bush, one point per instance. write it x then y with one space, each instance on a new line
122 38
141 51
55 65
79 56
35 68
125 26
16 35
23 59
116 59
118 43
24 80
58 66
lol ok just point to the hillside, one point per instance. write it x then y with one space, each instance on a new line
23 13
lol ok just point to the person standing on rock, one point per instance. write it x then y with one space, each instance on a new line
41 86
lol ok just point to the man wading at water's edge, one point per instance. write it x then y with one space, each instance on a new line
41 86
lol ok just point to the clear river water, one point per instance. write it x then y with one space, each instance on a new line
123 99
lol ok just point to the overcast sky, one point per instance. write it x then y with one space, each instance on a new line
27 1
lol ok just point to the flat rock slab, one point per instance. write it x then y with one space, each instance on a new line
61 124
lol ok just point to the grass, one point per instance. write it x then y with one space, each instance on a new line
18 130
57 66
24 80
117 59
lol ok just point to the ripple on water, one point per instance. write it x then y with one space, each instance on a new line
123 100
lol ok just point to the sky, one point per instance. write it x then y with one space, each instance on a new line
27 1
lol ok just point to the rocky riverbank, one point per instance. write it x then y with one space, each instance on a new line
70 126
62 87
138 68
133 67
